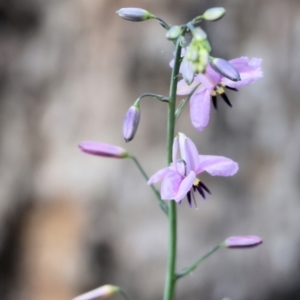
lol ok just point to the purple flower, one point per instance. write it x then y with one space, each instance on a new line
242 241
180 178
105 150
213 83
99 293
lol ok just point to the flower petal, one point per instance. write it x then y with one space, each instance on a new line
250 71
185 186
170 185
184 89
175 150
200 108
217 165
159 175
189 152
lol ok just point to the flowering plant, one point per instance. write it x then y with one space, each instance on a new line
203 78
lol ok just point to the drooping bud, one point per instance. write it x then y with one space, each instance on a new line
174 32
134 14
99 293
214 14
239 242
225 68
131 122
187 71
104 150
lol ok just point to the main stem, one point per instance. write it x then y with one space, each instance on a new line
171 268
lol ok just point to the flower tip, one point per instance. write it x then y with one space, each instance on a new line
131 122
214 14
134 14
104 150
241 242
99 293
225 68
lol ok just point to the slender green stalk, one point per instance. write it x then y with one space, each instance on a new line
171 267
195 265
158 97
125 296
161 203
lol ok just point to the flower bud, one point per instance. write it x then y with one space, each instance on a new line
187 71
214 14
131 122
99 293
134 14
174 32
199 34
242 241
105 150
225 68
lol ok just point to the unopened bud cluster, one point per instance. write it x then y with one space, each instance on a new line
198 51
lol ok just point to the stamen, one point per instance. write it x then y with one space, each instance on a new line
189 198
225 98
214 101
199 188
220 90
231 88
204 187
194 200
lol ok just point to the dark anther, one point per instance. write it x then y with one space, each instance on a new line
189 198
214 101
225 98
231 88
204 187
199 188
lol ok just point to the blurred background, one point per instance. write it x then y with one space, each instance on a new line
70 222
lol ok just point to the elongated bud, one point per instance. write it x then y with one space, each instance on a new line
134 14
225 68
99 293
174 32
131 122
187 71
242 241
214 14
104 150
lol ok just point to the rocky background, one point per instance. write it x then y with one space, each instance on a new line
71 222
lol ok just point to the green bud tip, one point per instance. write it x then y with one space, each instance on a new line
134 14
174 32
214 14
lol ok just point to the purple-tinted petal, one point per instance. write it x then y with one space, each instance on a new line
188 152
200 108
243 241
185 186
101 292
184 89
211 78
250 71
217 165
105 150
175 150
170 185
159 175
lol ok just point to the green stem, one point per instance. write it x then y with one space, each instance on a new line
161 203
192 267
125 296
171 267
158 97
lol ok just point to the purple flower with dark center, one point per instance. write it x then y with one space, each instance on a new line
180 178
213 84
